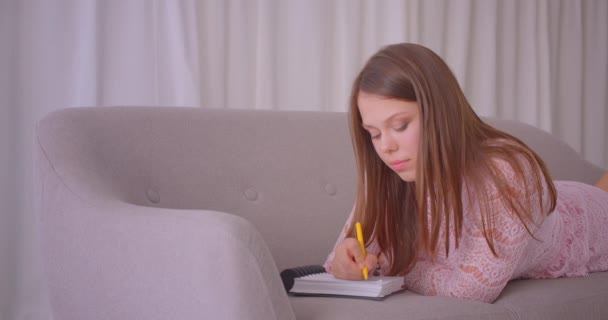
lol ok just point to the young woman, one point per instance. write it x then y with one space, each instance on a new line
454 205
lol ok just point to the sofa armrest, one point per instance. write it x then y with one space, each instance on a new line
121 261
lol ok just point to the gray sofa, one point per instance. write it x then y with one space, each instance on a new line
190 213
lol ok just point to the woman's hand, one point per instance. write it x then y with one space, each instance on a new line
348 260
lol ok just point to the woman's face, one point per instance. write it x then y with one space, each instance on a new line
394 129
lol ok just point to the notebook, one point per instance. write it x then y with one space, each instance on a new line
314 281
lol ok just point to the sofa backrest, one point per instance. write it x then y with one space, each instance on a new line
290 173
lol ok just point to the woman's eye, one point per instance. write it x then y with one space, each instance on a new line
374 136
402 127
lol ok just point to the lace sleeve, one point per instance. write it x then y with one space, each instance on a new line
472 271
330 257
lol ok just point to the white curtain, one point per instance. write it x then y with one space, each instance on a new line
542 62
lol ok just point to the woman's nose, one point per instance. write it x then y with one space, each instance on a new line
387 144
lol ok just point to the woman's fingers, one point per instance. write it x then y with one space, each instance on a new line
344 265
349 260
371 261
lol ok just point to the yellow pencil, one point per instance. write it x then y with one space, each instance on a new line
362 243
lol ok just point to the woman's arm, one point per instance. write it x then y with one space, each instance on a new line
472 271
341 237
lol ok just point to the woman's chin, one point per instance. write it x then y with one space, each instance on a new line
407 176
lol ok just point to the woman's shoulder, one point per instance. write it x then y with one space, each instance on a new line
510 156
508 168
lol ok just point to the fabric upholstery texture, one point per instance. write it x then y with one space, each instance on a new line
190 213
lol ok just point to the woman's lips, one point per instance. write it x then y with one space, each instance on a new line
399 165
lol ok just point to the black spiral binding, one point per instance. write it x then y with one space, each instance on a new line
288 275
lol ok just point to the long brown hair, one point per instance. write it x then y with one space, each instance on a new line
454 148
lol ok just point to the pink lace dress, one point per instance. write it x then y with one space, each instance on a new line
569 242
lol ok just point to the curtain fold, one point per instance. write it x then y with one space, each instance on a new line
8 175
594 105
543 62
